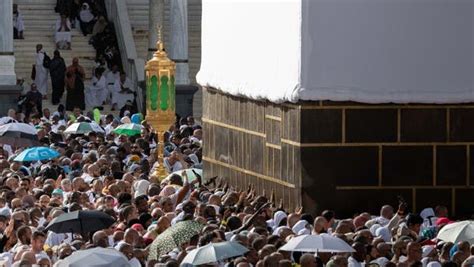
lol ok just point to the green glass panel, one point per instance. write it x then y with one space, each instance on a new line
148 91
172 93
154 93
164 93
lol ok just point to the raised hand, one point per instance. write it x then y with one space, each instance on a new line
299 210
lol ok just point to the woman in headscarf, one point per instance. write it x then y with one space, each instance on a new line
75 86
86 19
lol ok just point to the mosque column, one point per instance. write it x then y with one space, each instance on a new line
7 58
155 18
178 49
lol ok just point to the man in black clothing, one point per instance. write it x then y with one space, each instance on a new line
33 102
57 69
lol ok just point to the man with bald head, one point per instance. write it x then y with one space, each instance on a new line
308 260
100 239
93 172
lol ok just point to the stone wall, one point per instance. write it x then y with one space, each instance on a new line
345 156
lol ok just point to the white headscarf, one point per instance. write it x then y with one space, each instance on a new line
384 233
300 225
141 187
277 218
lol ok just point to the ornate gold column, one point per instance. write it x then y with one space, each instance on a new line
160 98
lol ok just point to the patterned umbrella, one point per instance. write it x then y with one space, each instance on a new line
129 129
36 154
173 237
83 128
18 134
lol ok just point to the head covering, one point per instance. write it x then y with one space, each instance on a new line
300 225
141 187
138 227
57 191
5 211
373 229
426 213
277 218
434 264
384 233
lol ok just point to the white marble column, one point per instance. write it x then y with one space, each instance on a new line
178 48
155 18
7 59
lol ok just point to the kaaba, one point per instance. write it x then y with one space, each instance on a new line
341 105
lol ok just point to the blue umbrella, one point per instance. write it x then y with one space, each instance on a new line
37 153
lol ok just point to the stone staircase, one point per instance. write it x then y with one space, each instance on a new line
40 18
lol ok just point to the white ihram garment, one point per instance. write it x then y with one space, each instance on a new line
41 79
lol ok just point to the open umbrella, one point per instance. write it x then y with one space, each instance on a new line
129 129
18 134
37 153
317 243
214 252
173 237
95 257
83 128
458 231
81 221
189 173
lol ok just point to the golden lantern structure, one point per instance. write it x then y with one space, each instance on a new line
160 98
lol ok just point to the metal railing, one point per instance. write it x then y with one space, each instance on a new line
117 13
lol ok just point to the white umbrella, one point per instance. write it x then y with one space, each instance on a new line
18 134
317 243
83 128
214 252
95 257
458 231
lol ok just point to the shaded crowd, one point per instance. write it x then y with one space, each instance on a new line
114 173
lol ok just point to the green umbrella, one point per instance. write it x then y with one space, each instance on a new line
173 237
129 129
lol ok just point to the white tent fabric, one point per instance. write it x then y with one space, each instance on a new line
360 50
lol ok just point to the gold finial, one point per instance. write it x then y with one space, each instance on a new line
159 43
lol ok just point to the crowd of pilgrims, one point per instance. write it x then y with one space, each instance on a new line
115 174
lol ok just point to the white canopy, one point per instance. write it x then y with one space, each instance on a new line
361 50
